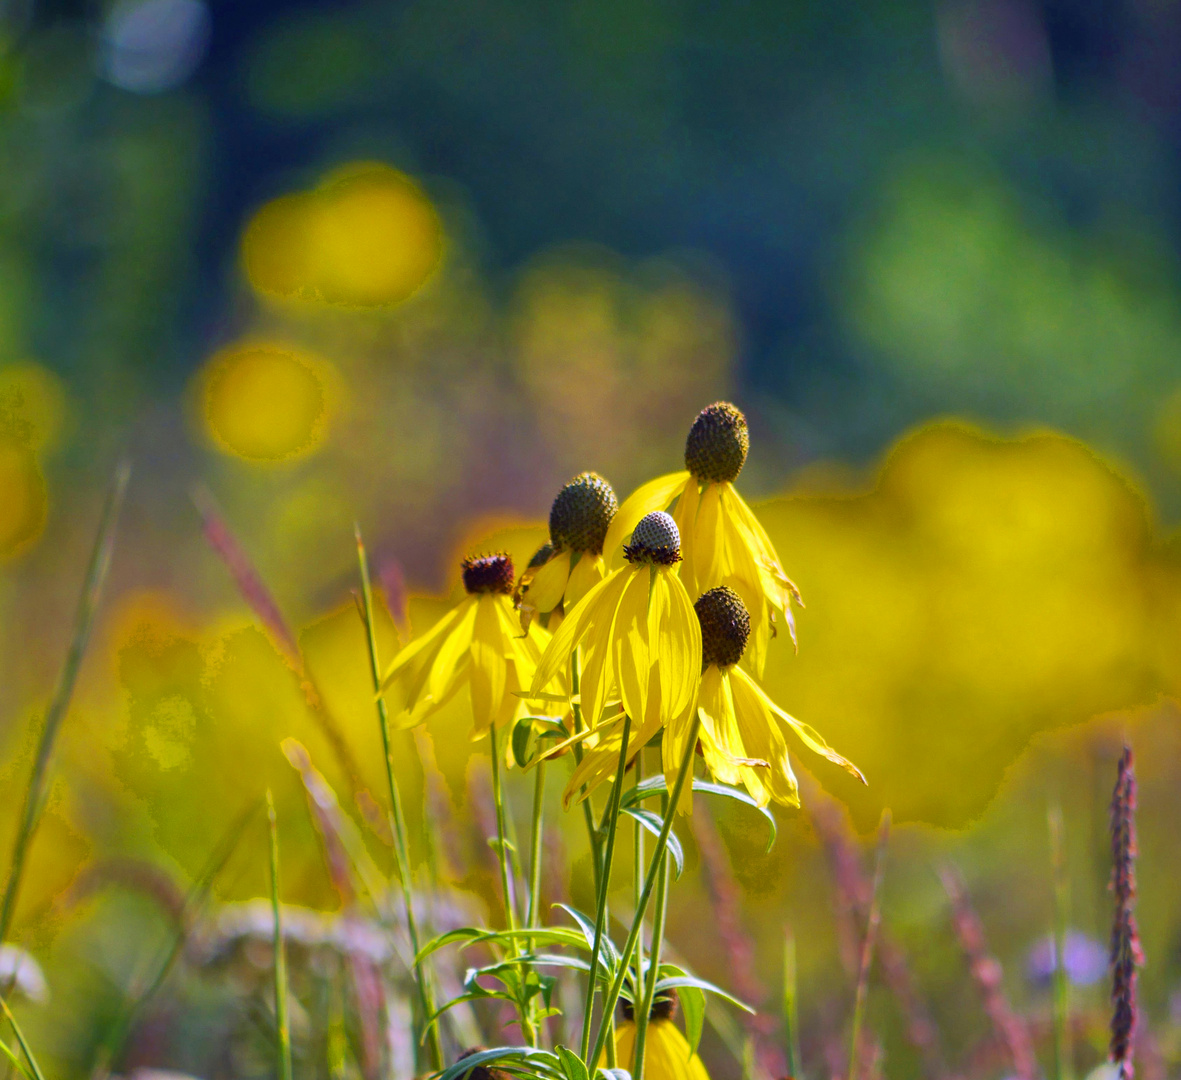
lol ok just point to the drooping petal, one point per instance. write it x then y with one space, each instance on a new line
686 518
808 735
455 647
657 494
586 574
678 653
780 588
543 588
599 764
598 672
422 650
574 626
629 640
489 665
762 738
708 543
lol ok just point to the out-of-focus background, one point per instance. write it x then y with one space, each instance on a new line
415 264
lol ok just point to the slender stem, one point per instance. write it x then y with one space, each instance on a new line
638 866
868 943
535 838
587 810
283 1026
604 885
96 573
791 1018
649 884
1063 1051
644 1012
425 997
506 877
20 1038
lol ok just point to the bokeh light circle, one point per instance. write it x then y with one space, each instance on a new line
265 402
367 236
23 497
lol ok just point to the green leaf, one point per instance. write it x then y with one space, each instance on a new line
684 980
523 742
692 1000
465 933
613 1074
655 785
521 1059
607 946
653 823
572 1064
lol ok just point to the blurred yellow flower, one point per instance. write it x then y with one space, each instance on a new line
366 236
723 542
23 498
32 405
266 402
477 645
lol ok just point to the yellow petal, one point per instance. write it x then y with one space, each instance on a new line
456 646
598 672
544 587
708 544
574 626
587 573
629 640
808 735
679 650
488 670
655 495
686 518
420 650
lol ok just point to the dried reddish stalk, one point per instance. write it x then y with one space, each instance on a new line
726 897
872 923
853 889
986 970
1126 956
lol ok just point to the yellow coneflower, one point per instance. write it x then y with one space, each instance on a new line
722 540
477 645
742 730
742 735
571 564
640 639
667 1055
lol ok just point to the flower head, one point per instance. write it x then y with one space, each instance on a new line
477 645
743 732
722 541
641 642
667 1054
579 519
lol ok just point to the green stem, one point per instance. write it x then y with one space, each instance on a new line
649 884
425 998
35 793
506 877
604 885
587 810
644 1011
282 1024
535 839
791 1019
638 867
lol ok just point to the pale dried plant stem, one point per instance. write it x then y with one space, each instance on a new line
401 854
37 790
872 923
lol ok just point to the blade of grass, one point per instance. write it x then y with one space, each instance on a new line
282 1025
193 903
35 793
791 1017
20 1038
425 997
868 943
14 1061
